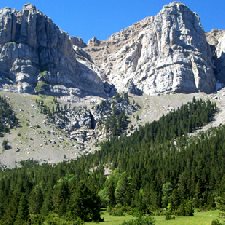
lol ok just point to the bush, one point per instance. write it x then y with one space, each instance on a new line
41 87
140 221
116 212
216 222
54 219
185 209
169 216
35 219
5 145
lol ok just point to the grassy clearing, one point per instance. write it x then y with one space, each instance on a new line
48 100
200 218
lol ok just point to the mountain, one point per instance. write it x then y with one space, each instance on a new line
166 53
73 147
36 56
160 54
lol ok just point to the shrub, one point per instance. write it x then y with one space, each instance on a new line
41 87
5 145
169 216
216 222
116 212
185 209
140 221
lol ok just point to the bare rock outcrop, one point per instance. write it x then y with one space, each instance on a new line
165 53
216 39
36 56
161 54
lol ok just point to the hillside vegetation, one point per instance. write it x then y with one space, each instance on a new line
8 117
159 166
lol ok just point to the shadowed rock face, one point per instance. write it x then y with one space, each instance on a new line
161 54
216 39
36 54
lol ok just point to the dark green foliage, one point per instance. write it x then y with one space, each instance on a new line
8 118
216 222
158 166
22 213
154 157
35 200
140 221
185 209
116 124
35 219
60 197
85 204
41 87
117 121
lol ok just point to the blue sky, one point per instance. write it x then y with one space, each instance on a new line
101 18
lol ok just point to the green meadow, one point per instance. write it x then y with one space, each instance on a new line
200 218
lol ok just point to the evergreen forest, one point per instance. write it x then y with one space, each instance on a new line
160 167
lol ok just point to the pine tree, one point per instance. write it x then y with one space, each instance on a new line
35 200
23 212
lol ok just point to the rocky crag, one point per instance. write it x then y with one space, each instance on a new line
90 124
36 56
161 54
166 53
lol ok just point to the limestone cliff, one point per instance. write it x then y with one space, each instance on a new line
36 56
160 54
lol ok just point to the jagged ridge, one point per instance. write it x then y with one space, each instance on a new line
160 54
34 52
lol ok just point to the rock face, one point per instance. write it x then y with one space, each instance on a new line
36 56
78 42
216 39
161 54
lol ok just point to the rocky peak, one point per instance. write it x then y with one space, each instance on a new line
78 42
175 5
94 42
29 7
161 54
32 46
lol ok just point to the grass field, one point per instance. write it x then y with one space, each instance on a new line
200 218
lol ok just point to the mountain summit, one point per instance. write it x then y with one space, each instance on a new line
36 56
160 54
